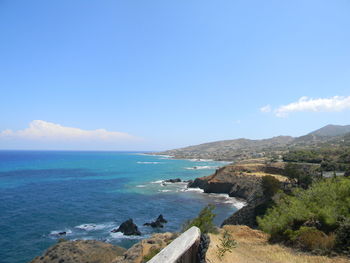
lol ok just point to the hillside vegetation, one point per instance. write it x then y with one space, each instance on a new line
315 219
240 149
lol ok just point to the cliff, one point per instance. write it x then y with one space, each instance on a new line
243 180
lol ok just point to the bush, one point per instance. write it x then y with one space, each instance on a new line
343 235
307 156
204 220
310 238
227 243
296 174
270 185
347 173
325 202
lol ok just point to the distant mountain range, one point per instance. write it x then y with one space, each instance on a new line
239 149
332 130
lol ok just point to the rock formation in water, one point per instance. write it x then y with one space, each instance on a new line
158 223
128 228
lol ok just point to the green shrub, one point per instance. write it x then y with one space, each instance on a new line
325 202
310 238
227 243
296 174
307 156
343 235
347 173
270 185
204 220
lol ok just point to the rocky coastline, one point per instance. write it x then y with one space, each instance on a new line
244 181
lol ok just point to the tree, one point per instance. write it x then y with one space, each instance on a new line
204 220
296 174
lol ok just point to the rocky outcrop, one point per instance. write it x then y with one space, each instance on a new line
87 251
239 180
177 180
128 228
245 216
158 223
232 181
138 252
243 180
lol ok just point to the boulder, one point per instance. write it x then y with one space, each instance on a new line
161 219
158 223
177 180
128 228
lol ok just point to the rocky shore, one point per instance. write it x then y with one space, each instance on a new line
87 251
92 251
242 180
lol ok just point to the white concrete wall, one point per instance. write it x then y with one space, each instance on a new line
183 249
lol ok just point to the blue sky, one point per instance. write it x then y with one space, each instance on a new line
163 74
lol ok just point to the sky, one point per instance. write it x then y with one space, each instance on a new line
155 75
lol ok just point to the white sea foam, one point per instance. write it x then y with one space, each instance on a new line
148 162
84 238
120 235
193 190
225 198
164 191
157 182
220 198
57 232
201 160
94 227
141 185
165 157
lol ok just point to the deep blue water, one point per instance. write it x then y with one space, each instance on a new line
87 194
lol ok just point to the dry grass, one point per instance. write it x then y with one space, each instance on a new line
279 177
254 169
252 247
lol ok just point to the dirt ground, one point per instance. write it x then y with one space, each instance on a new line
252 247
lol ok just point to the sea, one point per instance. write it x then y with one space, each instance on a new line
88 194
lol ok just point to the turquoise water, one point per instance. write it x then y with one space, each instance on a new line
87 194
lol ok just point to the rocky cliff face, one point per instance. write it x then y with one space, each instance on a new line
241 181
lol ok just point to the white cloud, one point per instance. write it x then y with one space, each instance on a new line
39 130
266 109
333 104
